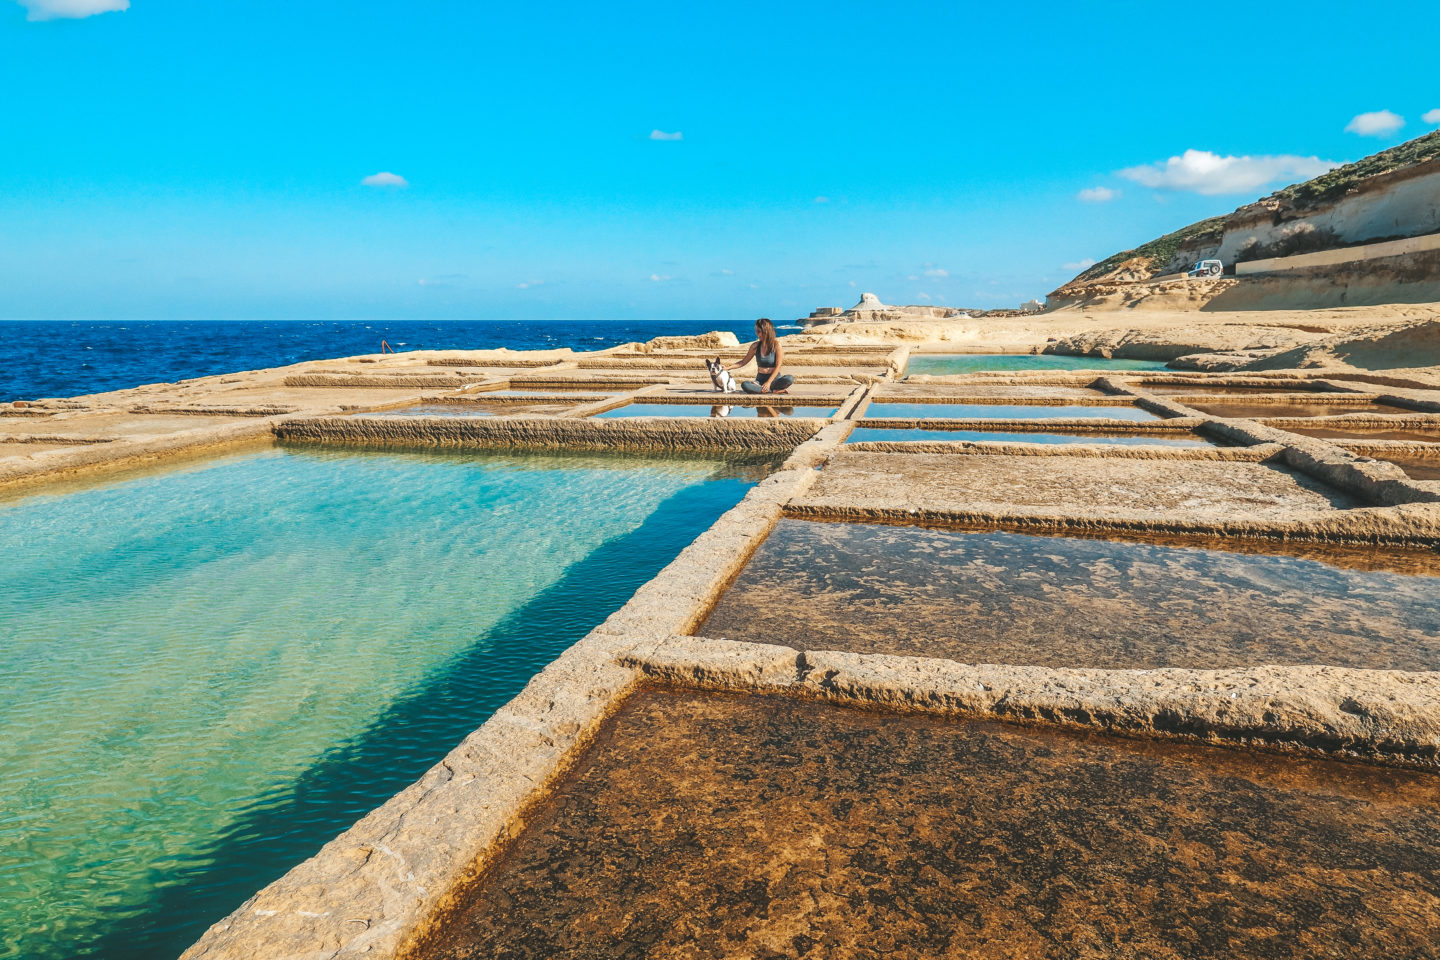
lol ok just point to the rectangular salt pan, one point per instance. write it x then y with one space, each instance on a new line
997 597
943 364
770 827
1319 408
906 434
716 410
473 409
205 669
1002 411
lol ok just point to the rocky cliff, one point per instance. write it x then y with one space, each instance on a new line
1391 195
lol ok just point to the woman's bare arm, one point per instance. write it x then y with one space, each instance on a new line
748 357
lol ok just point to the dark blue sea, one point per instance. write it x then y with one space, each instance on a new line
62 358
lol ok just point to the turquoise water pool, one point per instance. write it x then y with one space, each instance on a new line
906 434
733 409
940 364
1003 411
210 672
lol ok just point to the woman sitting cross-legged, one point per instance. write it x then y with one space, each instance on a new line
769 357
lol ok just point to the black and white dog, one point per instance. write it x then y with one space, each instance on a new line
724 383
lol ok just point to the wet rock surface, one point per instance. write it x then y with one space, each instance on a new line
1417 468
1271 409
995 597
1410 434
708 825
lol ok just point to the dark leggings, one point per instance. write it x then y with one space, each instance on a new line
782 382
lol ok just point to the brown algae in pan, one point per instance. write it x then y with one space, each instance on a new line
710 825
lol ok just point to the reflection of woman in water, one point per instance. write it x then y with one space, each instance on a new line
724 411
769 357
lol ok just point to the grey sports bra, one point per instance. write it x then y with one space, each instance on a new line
764 360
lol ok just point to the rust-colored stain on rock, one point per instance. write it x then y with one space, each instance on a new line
997 597
707 825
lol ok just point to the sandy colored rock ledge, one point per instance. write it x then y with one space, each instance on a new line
1378 715
397 380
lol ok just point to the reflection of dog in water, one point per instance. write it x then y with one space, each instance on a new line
719 376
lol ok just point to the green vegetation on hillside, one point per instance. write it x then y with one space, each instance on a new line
1335 184
1325 188
1160 251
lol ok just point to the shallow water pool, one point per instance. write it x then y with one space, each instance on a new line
1414 434
211 672
893 434
999 597
1416 468
473 409
1004 411
942 364
716 410
1318 408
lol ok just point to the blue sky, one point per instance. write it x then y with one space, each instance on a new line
198 159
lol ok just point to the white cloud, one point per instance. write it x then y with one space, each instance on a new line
1375 124
728 273
1097 195
1079 265
662 135
923 296
659 278
852 283
385 179
822 200
70 9
936 272
1432 116
1200 171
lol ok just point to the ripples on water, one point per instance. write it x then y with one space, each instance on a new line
211 672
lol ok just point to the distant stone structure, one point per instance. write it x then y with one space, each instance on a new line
871 308
821 315
1032 306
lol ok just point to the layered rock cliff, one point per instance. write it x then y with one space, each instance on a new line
1392 195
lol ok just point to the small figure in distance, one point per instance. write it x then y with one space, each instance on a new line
769 357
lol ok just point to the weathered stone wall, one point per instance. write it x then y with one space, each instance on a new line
701 433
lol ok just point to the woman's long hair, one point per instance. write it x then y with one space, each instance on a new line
765 333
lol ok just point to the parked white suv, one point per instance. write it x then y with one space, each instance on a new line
1206 268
